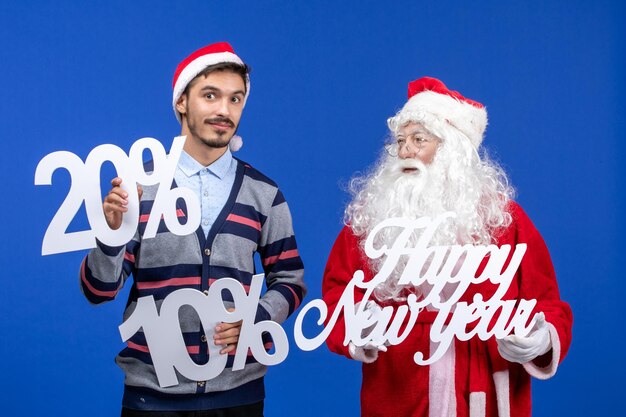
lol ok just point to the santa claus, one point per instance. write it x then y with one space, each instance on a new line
435 164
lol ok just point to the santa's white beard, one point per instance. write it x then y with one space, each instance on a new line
402 188
476 193
404 183
405 188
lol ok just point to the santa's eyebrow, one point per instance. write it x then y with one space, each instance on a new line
418 131
415 132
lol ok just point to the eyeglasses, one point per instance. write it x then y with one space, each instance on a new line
416 140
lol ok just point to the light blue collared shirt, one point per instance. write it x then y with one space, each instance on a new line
211 184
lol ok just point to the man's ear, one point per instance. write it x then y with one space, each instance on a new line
181 104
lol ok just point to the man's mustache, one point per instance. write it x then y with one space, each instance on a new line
221 120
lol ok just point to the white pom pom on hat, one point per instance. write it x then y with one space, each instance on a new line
235 143
429 95
195 63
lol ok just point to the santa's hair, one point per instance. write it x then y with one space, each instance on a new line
458 179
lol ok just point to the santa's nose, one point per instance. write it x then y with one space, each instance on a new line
408 152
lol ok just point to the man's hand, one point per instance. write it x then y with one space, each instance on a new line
115 203
520 349
227 334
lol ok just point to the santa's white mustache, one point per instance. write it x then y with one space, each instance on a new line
409 166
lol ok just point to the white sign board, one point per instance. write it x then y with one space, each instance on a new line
86 187
514 315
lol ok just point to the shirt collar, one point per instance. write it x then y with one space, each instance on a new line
222 165
219 167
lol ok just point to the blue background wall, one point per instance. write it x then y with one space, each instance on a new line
326 75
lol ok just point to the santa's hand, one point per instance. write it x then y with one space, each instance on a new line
372 311
522 349
367 353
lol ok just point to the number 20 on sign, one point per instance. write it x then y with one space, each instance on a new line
85 177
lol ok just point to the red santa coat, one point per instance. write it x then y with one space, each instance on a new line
472 379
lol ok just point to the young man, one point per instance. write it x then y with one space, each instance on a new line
243 212
433 167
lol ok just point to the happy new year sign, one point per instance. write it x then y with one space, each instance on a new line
440 264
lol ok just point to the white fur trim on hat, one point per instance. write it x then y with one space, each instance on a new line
468 119
195 67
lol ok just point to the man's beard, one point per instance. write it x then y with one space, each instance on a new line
220 138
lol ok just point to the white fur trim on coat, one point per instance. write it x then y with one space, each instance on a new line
477 404
550 370
501 383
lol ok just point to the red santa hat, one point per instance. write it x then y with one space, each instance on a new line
430 101
195 63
